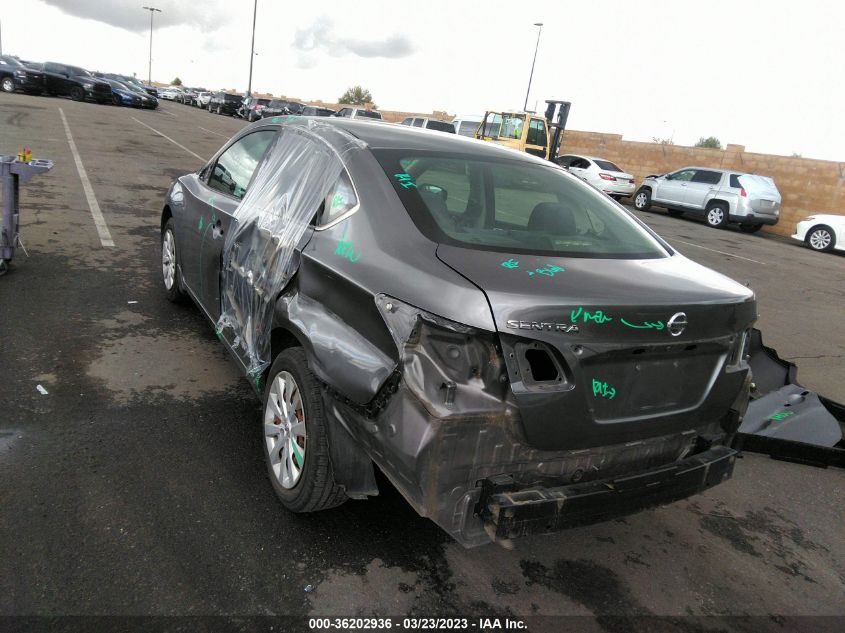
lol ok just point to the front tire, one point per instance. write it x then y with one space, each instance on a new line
296 443
7 84
169 269
821 238
642 200
717 215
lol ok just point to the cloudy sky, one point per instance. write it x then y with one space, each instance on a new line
764 74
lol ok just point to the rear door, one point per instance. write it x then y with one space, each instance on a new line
55 78
223 184
700 187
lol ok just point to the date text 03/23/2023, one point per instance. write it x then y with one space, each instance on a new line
416 624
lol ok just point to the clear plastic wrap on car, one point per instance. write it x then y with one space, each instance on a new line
291 186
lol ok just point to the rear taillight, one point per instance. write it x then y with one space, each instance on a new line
742 192
631 181
604 176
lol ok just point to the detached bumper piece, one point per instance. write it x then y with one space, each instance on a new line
510 512
786 421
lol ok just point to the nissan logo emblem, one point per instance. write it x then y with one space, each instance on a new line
677 324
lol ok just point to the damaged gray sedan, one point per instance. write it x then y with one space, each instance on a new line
516 352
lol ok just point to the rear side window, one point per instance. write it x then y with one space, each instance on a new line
467 128
735 181
340 200
408 121
707 177
234 168
607 165
369 114
418 122
536 133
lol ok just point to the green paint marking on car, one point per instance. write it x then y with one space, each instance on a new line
509 264
297 455
337 201
657 325
603 390
405 180
597 317
275 119
780 415
199 226
346 249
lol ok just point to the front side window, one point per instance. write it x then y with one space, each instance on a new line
536 133
684 175
408 121
442 126
234 167
418 122
512 126
55 68
512 206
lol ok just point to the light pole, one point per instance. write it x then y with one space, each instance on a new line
252 48
531 76
150 69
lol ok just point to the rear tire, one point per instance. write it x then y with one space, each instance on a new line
77 93
642 200
821 238
750 228
716 215
116 100
294 436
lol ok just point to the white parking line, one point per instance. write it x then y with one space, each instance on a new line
177 143
99 220
212 131
713 250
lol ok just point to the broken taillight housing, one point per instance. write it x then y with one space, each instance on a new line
452 368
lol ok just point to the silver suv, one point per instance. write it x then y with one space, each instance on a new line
721 196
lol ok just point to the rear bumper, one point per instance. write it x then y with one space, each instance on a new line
510 512
618 189
754 218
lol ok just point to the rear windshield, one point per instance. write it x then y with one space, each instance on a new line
370 114
441 125
512 206
606 165
468 128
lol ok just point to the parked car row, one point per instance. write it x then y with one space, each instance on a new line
64 80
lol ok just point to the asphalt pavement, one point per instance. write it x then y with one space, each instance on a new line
135 485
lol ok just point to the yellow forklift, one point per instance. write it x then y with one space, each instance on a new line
526 131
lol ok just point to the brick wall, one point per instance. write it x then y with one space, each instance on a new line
807 186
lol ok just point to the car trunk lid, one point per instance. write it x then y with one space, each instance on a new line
605 351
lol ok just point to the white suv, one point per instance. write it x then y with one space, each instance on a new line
721 196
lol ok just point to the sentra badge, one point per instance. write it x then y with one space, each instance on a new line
543 326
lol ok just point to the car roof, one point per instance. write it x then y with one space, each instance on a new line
382 135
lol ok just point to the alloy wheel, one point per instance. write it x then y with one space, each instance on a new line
715 216
820 239
8 85
284 429
168 259
640 200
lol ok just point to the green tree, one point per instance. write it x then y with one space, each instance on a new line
176 82
356 95
711 142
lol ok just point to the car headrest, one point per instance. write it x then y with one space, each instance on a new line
551 217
